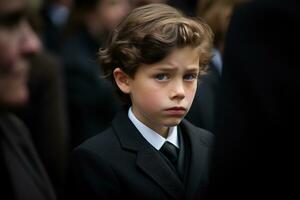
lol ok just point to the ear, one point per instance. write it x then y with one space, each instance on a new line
122 80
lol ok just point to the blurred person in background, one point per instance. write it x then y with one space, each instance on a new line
23 176
54 15
257 145
90 99
44 114
217 14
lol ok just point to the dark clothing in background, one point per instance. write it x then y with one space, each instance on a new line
22 173
186 6
202 112
90 98
45 116
256 153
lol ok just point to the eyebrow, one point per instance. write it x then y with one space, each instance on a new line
165 69
170 69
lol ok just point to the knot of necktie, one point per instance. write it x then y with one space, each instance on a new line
170 151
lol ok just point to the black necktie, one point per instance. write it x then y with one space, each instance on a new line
170 151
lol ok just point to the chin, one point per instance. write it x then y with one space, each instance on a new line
173 122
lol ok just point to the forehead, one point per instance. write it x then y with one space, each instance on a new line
8 6
186 58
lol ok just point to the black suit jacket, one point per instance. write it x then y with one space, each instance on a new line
256 148
120 163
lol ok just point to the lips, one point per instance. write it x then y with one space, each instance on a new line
176 111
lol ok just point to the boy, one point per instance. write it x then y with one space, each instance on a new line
154 59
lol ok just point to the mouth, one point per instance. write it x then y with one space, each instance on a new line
178 111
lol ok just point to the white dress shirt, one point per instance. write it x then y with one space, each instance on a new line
155 139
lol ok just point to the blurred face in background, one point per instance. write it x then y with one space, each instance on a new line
17 43
111 12
105 16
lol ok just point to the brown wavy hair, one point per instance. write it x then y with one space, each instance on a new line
149 34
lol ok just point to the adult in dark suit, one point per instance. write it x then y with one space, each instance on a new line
22 174
256 145
149 153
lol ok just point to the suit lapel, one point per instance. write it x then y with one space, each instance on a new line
198 166
148 159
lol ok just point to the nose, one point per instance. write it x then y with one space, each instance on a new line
29 42
178 92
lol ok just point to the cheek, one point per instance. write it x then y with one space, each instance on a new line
190 94
151 99
4 49
8 53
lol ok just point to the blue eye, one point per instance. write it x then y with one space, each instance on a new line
161 77
190 77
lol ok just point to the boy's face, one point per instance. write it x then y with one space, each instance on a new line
162 93
17 42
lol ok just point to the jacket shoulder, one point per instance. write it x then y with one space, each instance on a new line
204 135
99 143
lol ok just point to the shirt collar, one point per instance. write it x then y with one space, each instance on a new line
151 136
